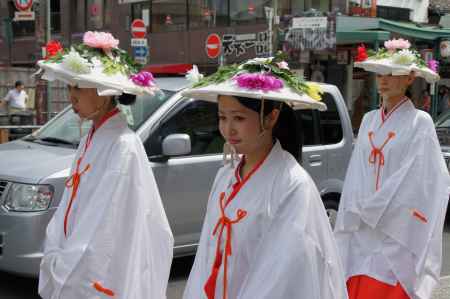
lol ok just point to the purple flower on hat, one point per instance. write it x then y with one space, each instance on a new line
261 81
433 65
143 78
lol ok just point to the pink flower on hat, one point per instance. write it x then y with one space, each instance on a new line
261 81
397 44
101 40
143 78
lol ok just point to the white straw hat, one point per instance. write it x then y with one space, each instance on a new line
96 63
259 78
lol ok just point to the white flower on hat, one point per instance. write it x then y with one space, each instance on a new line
405 57
283 65
194 75
77 64
257 61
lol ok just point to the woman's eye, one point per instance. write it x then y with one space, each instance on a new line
222 118
239 118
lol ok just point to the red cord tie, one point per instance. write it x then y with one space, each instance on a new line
377 156
74 182
223 223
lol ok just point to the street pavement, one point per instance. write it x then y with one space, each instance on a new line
13 287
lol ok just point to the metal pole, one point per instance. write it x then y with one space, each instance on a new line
48 36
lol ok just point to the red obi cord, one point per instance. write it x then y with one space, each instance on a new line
377 156
226 224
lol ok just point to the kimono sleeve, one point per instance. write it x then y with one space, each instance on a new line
291 262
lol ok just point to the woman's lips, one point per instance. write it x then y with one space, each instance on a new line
233 141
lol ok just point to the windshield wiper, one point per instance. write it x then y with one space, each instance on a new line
57 140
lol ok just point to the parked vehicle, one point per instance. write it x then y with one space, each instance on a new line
184 148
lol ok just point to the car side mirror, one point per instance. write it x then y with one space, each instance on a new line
176 145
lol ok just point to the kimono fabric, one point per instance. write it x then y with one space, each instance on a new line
266 235
109 237
392 210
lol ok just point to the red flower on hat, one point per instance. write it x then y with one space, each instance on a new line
362 54
52 48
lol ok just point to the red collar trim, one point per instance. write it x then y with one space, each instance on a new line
385 117
106 117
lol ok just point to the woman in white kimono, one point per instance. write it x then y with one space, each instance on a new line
109 237
266 233
391 215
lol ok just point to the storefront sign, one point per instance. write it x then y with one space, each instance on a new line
239 44
312 33
309 23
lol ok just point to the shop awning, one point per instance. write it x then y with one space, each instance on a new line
355 30
361 36
414 31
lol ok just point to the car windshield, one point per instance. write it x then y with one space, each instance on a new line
66 129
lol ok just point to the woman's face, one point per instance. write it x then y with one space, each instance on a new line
391 86
241 126
86 102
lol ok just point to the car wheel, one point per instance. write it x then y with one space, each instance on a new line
331 207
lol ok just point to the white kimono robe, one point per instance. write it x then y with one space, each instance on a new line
115 242
392 210
281 241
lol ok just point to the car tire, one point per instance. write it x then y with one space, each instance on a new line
331 207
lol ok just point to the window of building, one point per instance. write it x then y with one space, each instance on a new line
199 120
248 12
208 13
78 16
169 15
55 16
330 121
393 13
95 14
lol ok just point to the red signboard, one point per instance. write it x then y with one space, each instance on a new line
138 29
23 5
213 46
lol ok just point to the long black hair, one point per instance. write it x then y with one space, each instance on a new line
287 129
126 99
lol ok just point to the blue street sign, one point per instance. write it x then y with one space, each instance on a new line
140 51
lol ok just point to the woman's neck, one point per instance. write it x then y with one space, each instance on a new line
97 119
390 102
252 159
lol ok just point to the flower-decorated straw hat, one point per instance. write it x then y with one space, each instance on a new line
96 63
258 78
397 59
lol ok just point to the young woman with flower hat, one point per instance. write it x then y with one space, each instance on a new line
266 233
109 237
392 209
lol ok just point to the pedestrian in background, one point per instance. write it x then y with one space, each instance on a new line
16 99
109 237
392 210
266 233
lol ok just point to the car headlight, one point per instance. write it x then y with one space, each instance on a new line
28 198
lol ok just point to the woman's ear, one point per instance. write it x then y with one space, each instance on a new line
271 119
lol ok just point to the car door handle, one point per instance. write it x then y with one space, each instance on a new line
315 158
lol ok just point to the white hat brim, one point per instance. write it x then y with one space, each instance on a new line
106 85
387 67
211 93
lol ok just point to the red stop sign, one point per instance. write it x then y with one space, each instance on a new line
213 45
138 29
